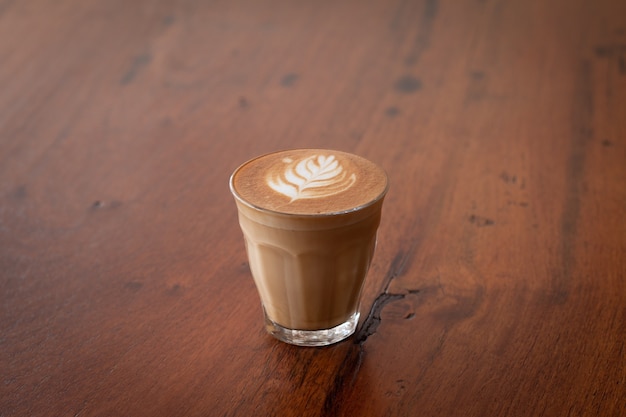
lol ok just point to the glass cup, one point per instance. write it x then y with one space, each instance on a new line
311 242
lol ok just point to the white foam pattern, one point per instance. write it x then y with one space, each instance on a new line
314 176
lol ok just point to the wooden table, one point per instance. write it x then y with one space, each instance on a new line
498 287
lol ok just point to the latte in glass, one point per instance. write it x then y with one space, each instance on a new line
309 219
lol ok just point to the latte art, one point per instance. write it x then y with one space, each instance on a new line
314 176
309 182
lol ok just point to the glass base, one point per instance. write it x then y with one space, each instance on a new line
313 337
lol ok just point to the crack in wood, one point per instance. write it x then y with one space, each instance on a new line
582 126
371 323
397 267
351 364
347 373
422 39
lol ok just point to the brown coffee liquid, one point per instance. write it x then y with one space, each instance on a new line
309 219
309 181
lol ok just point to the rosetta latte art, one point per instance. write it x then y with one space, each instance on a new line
312 177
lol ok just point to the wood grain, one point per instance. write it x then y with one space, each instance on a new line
498 287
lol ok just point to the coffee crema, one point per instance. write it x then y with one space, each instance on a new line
309 181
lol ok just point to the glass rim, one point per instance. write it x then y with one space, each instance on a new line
360 207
